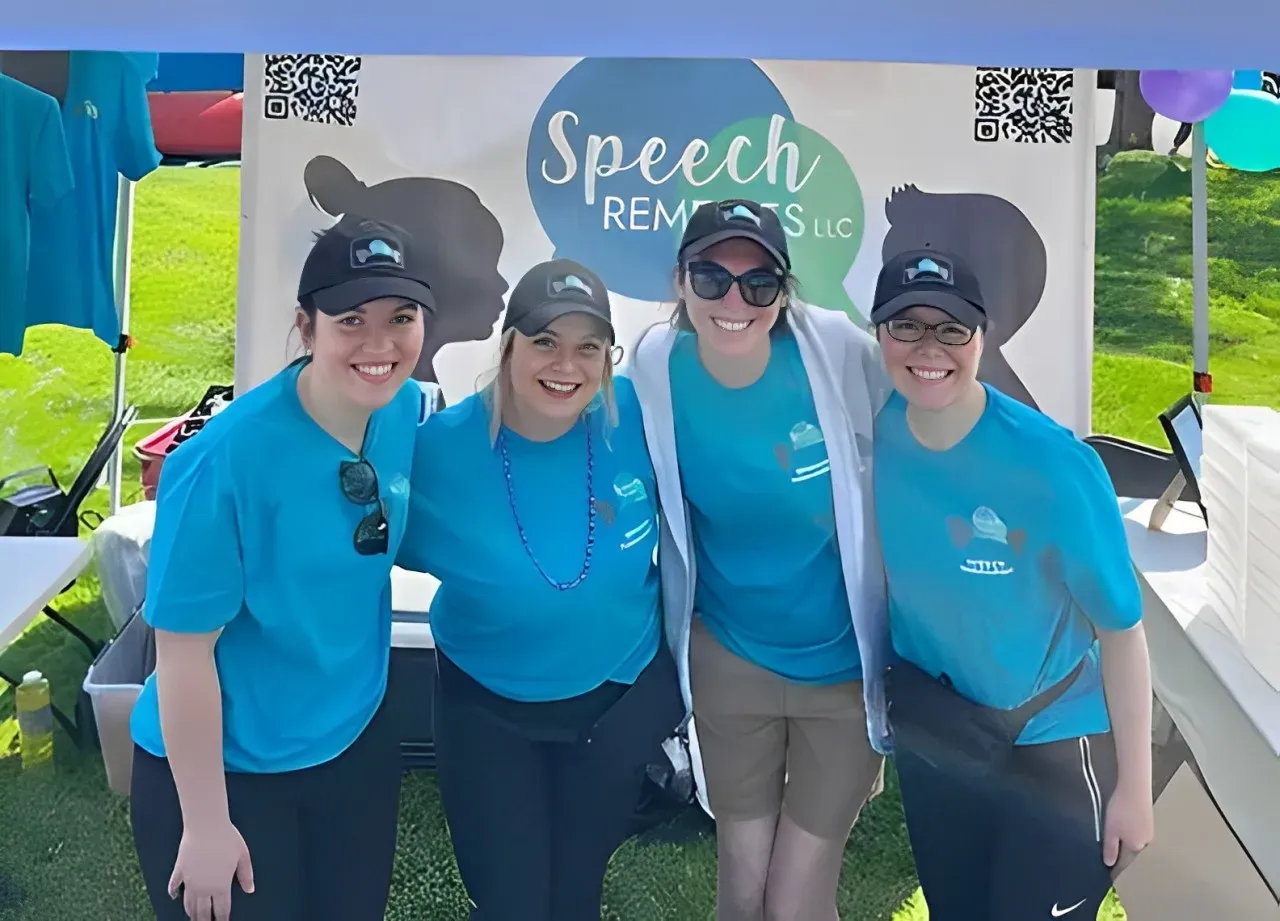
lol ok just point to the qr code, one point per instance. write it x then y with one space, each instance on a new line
1027 105
318 88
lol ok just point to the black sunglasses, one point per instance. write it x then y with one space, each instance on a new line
359 483
711 281
948 332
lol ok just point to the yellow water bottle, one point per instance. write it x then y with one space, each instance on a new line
35 720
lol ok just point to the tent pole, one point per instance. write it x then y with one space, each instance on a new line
123 259
1202 382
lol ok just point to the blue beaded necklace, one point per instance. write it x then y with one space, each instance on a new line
591 516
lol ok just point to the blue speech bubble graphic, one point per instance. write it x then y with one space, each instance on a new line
613 145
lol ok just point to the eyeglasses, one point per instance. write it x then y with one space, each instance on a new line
359 483
905 329
711 281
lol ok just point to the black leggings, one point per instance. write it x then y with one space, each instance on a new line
322 840
1024 843
534 823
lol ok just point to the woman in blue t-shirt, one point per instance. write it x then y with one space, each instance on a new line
533 504
1021 707
265 775
759 415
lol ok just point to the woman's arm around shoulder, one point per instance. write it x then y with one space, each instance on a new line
860 365
646 362
435 446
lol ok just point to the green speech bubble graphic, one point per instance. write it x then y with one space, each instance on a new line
806 179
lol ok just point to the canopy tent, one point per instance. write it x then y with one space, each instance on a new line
1132 34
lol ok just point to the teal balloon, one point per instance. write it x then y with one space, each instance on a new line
1245 132
1247 80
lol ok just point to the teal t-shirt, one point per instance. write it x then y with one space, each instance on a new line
107 121
35 172
494 615
755 472
253 536
996 545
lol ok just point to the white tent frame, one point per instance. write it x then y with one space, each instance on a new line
123 264
1199 263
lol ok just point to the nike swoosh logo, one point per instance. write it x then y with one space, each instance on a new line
1059 912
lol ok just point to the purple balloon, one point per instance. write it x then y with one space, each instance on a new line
1186 95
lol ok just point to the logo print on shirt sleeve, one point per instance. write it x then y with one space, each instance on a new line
630 491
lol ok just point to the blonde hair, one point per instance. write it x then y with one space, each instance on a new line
497 392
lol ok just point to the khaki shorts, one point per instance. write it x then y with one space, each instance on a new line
773 746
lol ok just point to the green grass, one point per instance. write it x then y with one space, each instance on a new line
68 854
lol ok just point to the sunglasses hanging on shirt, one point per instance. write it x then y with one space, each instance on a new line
359 483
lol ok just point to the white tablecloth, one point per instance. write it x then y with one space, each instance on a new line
411 594
1228 714
34 571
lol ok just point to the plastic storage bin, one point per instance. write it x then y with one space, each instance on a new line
112 685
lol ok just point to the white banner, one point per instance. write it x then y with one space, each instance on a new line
495 164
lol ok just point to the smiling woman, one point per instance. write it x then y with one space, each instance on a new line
268 577
1021 703
555 353
760 409
533 503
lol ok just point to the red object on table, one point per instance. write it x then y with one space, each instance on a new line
152 450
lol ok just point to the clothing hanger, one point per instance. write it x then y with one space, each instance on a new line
46 71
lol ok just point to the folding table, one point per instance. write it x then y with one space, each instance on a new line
33 572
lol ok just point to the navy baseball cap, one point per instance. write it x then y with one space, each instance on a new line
551 290
929 278
736 218
359 260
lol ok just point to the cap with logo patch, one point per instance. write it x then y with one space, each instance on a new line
551 290
717 221
358 260
929 278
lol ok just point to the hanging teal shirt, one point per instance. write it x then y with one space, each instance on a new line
107 121
755 472
35 172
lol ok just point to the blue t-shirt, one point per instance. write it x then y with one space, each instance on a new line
34 172
254 536
994 546
494 615
754 468
107 120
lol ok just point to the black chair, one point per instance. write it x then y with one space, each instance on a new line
45 509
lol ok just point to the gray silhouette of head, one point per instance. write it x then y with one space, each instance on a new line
458 236
1001 245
